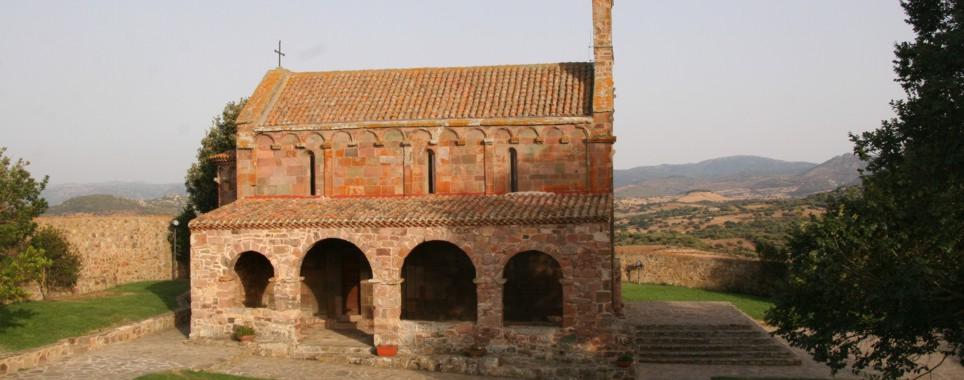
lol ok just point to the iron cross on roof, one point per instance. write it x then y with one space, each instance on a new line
280 54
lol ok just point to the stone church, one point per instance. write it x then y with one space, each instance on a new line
429 208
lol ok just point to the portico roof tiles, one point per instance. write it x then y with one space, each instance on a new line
411 211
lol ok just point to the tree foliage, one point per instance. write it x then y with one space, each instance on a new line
201 188
65 265
879 279
20 203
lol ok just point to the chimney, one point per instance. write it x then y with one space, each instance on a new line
602 30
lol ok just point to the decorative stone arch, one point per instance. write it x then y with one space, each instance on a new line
476 132
533 289
439 283
405 250
341 139
554 134
314 140
368 136
449 134
549 249
420 135
504 135
529 132
393 135
290 141
580 132
312 238
263 141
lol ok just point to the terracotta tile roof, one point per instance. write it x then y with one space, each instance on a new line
543 90
222 157
421 211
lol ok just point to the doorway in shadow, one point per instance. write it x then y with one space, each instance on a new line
336 295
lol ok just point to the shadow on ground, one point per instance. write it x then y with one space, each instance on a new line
12 317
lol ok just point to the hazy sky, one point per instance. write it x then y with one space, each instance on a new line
124 90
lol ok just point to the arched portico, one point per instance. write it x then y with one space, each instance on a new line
532 293
334 286
254 272
438 283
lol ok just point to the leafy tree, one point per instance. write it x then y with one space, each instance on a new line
879 279
64 265
20 203
201 188
18 269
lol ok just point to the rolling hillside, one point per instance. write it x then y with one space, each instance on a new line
740 177
103 204
57 193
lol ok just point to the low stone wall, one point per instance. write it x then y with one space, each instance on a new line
116 249
690 268
22 360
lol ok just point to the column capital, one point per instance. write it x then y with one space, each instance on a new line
489 280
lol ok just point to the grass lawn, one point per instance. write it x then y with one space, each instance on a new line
191 375
31 324
751 305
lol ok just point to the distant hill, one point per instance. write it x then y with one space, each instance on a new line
739 177
57 193
103 204
717 168
842 170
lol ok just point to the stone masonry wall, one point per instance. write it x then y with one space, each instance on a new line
116 249
689 268
393 161
583 252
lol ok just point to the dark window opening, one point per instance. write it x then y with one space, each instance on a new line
439 284
532 293
431 172
513 170
254 270
335 287
311 173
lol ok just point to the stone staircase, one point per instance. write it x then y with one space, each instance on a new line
712 344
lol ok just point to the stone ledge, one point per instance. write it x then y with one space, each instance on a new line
64 348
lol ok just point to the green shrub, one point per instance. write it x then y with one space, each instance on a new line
65 264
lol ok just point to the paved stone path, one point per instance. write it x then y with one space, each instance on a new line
726 313
168 350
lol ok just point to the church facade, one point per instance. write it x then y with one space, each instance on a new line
430 208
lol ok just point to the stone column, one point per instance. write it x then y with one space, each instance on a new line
489 316
388 310
490 307
488 165
406 167
287 292
327 173
570 303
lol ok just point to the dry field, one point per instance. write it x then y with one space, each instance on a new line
711 222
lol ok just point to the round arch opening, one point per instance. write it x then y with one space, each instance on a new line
334 285
532 293
254 271
439 284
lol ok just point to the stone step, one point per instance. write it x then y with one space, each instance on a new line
697 341
485 366
700 334
694 327
314 351
770 346
724 361
714 354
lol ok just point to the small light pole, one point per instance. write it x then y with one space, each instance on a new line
174 223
